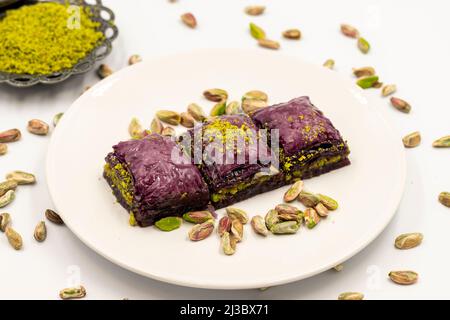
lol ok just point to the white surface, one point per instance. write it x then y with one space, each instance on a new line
145 88
409 48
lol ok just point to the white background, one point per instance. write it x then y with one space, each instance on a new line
410 47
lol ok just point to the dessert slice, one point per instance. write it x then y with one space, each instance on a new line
228 152
152 178
309 144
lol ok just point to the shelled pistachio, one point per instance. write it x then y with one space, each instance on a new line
257 32
5 220
233 108
293 34
14 238
196 112
363 45
40 232
443 142
349 31
235 213
187 120
169 132
168 224
219 109
351 296
104 71
255 10
7 185
156 126
189 20
408 241
21 177
57 118
169 117
237 229
401 105
311 218
135 129
412 140
38 127
11 135
201 231
250 106
259 226
404 277
198 217
328 202
388 90
3 149
272 218
72 293
228 245
7 198
364 72
294 191
269 44
444 198
215 95
329 64
224 225
135 58
287 227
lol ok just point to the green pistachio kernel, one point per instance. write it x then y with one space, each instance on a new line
367 82
219 109
328 202
169 224
257 32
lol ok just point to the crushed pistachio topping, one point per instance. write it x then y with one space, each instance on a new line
227 133
39 38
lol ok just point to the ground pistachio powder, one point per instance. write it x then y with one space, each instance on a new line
37 39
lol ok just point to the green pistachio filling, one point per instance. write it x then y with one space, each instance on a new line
121 179
226 192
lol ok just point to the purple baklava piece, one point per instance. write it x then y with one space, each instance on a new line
152 178
309 144
227 150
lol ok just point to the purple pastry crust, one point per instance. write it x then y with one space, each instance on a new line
224 175
306 136
301 125
162 186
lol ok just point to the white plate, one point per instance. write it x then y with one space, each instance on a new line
368 191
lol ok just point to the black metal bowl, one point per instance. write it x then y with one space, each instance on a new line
101 14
